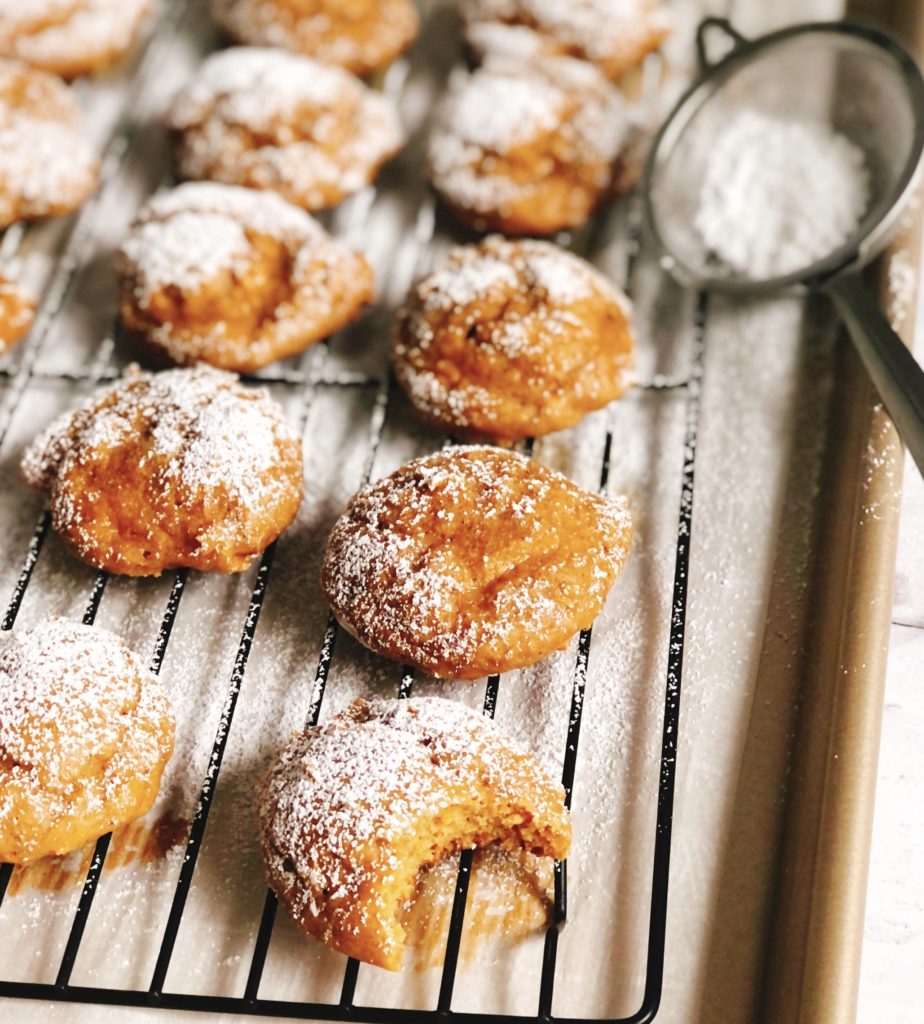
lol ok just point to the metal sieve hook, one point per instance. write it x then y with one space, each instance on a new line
731 40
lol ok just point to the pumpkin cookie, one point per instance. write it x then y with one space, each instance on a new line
616 35
507 340
359 35
180 468
529 148
353 809
234 278
85 732
69 37
271 120
46 166
472 561
17 310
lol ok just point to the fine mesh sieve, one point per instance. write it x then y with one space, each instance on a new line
856 81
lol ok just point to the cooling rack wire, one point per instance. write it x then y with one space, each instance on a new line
306 383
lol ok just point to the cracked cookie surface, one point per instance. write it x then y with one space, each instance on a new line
473 561
530 147
234 278
615 35
184 468
267 119
359 35
46 166
85 732
70 37
353 809
511 339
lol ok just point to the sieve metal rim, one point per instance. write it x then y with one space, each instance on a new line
853 254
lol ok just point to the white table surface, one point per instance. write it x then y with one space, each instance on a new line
892 970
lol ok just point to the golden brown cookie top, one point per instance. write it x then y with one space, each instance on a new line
528 146
234 277
511 339
80 717
613 34
66 694
174 468
17 310
345 800
472 561
187 236
359 35
274 120
46 166
69 37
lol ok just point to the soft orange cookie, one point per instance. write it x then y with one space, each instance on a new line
180 468
616 35
69 37
507 340
234 277
273 120
17 310
529 147
46 166
85 732
353 809
359 35
472 561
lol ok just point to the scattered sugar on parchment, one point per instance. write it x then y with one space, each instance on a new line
902 283
780 194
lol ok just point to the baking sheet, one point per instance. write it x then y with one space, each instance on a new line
763 487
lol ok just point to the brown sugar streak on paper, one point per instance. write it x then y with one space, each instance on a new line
138 841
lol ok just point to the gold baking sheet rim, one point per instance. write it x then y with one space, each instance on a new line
819 699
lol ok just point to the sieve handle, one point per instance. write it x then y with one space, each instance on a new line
895 372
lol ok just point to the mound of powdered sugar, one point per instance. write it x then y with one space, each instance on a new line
780 193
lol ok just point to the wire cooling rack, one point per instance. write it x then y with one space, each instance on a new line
304 384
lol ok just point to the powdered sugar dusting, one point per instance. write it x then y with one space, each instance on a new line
505 104
463 281
601 30
69 36
779 194
188 250
447 594
266 213
79 715
45 164
272 119
256 86
187 235
505 335
196 431
499 114
470 273
343 800
362 37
